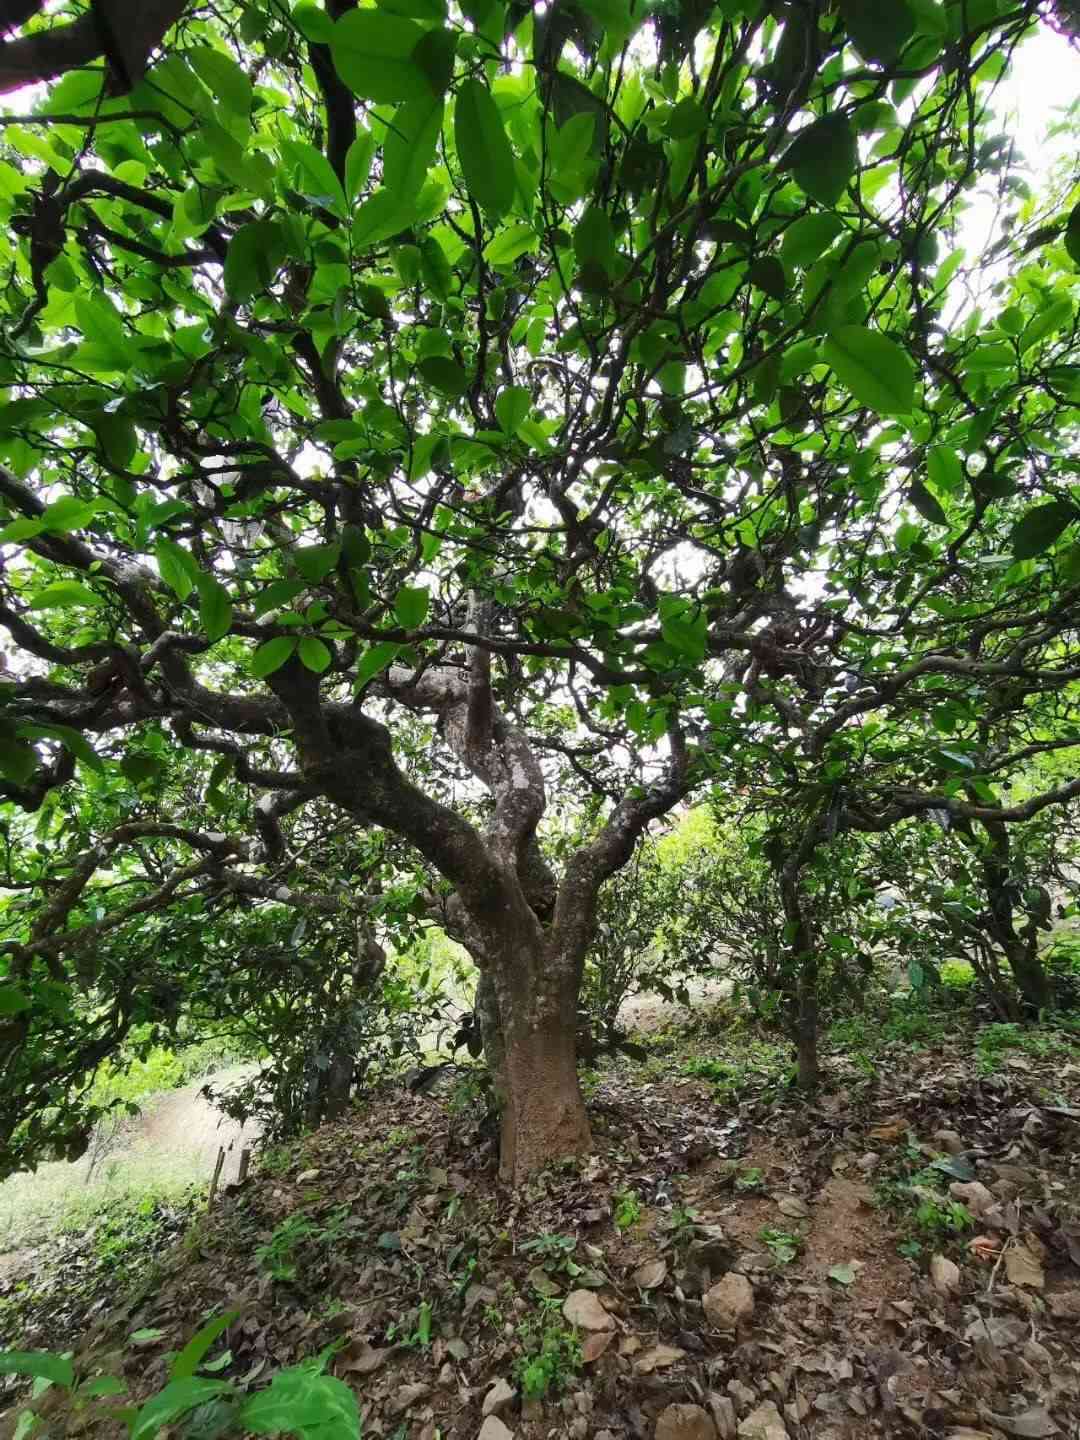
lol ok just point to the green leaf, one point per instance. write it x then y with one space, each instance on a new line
615 17
103 1385
768 274
13 1002
1037 530
809 238
67 514
411 606
878 31
594 240
313 22
944 469
176 1399
271 655
444 375
374 54
42 1364
316 1407
314 654
74 740
510 244
18 762
316 561
62 593
684 627
187 1362
487 161
926 504
842 1274
358 163
823 158
409 148
374 661
215 608
177 568
222 76
874 368
21 529
512 407
435 268
1072 235
254 257
317 177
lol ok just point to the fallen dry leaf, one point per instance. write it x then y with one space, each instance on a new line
658 1358
1023 1266
594 1345
889 1133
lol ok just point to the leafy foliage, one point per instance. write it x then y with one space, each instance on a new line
410 416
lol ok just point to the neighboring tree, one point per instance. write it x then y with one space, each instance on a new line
408 410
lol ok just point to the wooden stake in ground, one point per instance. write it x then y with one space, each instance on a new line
217 1177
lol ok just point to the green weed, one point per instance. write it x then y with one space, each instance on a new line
783 1245
627 1209
553 1354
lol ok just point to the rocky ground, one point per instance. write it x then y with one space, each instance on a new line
901 1255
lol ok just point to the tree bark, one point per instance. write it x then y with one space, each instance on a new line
801 941
1020 947
543 1117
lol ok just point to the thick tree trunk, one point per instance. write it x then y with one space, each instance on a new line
527 1004
543 1115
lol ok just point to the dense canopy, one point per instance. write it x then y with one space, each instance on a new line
412 412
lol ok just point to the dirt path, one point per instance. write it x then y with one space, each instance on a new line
185 1122
173 1143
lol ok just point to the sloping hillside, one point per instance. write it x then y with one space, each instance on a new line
901 1256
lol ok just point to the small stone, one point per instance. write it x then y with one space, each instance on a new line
407 1396
685 1422
741 1394
944 1274
494 1429
710 1249
498 1398
723 1413
975 1196
729 1302
583 1309
764 1423
650 1275
306 1175
1065 1305
949 1141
